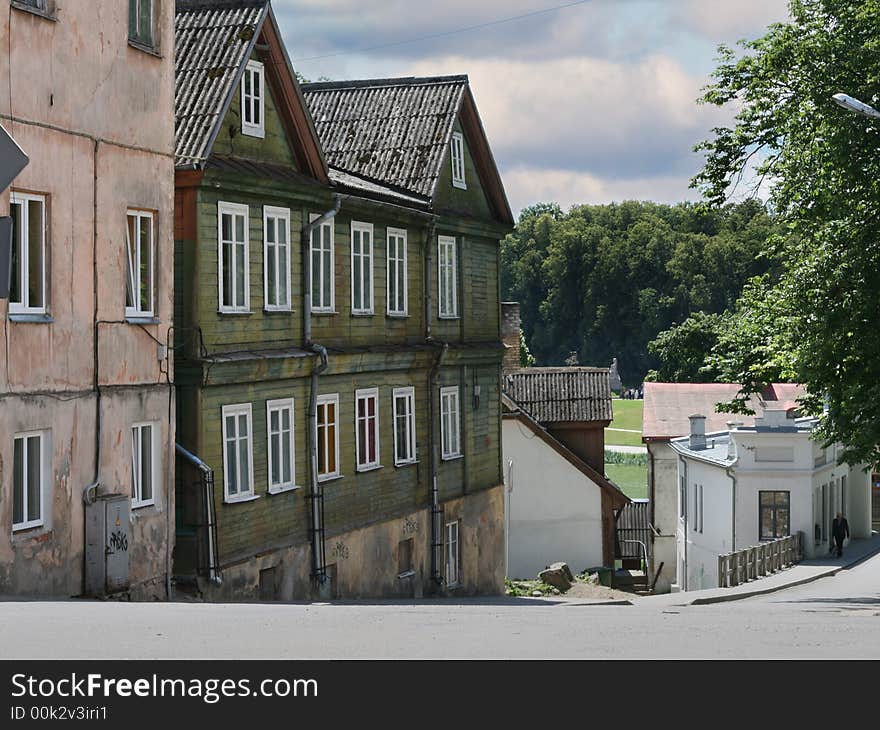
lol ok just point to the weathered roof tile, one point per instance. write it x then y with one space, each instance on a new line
554 395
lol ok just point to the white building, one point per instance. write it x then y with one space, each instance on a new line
749 484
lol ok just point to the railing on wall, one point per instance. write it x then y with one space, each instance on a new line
757 561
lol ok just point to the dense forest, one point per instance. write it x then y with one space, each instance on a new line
603 281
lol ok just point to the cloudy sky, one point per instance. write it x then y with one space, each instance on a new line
589 103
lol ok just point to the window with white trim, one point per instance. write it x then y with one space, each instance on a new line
143 464
697 521
404 426
140 21
27 294
453 555
29 479
322 274
276 259
361 268
457 157
396 280
448 277
238 457
140 264
253 100
450 432
232 270
366 422
328 436
279 427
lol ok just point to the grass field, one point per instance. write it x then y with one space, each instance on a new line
632 479
627 415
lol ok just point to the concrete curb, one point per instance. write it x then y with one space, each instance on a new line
751 594
619 602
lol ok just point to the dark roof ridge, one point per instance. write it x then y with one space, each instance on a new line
399 81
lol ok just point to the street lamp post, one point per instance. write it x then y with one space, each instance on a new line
854 105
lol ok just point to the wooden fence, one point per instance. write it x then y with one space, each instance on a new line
757 561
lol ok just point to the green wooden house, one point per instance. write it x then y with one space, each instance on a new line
337 325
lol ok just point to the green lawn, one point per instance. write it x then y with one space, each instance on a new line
632 479
627 415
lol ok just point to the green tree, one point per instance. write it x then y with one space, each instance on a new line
685 350
817 321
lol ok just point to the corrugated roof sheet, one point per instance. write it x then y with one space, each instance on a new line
393 131
553 395
212 40
374 189
667 406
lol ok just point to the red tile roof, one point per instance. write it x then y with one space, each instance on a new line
668 405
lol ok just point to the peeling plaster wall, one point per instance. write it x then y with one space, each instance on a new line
91 111
365 563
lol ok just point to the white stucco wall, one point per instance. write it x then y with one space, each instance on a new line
554 512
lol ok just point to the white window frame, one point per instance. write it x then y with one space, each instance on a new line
234 210
399 235
254 102
137 38
329 227
280 216
44 465
137 488
324 400
279 405
456 155
409 394
452 540
447 277
20 238
446 394
134 282
366 266
236 410
366 394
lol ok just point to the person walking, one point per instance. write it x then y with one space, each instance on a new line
839 531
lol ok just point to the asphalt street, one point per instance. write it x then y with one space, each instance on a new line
834 617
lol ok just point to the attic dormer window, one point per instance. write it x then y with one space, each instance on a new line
457 156
252 100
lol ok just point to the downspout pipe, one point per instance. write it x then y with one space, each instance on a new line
433 382
208 474
319 565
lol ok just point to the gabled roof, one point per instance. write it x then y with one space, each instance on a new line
396 132
214 39
511 409
564 394
667 406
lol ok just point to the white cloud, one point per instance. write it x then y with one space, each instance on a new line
726 21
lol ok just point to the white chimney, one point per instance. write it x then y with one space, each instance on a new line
731 442
773 418
698 432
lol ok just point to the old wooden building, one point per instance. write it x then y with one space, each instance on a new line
337 309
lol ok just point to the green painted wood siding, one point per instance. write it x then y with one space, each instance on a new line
470 203
273 148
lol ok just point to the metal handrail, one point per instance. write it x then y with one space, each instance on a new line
644 557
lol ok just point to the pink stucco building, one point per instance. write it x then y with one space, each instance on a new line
85 390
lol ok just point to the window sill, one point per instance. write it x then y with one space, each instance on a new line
460 185
143 47
239 500
404 464
140 505
36 532
282 490
330 478
235 312
145 319
44 14
324 312
30 318
397 315
452 457
364 469
362 314
253 132
278 310
448 316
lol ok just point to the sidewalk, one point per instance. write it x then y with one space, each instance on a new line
804 572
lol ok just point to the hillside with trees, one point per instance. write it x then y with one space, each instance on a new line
603 281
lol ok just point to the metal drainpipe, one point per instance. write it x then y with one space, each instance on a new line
213 570
433 380
319 567
732 510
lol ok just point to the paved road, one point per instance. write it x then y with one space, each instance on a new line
833 617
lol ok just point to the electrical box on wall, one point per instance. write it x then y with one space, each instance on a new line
107 544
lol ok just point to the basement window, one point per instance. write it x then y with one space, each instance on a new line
457 157
252 100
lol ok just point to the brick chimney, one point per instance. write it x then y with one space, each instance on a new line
510 324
